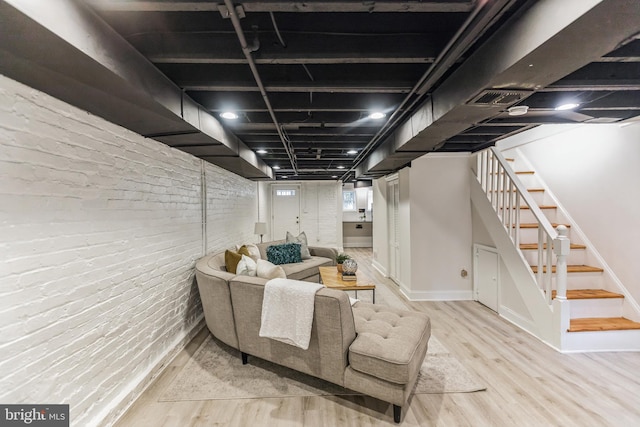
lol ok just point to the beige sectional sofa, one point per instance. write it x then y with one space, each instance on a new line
367 348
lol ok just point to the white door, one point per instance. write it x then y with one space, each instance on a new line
285 202
486 276
393 203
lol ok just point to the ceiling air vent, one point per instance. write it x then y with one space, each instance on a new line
498 97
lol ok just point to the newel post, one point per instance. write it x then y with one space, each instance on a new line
561 247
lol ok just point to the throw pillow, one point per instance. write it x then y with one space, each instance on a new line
249 250
231 260
287 253
269 271
246 266
302 239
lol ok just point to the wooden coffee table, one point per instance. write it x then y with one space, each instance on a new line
332 278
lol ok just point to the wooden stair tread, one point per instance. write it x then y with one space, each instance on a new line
588 294
534 246
530 190
571 269
541 207
592 324
535 225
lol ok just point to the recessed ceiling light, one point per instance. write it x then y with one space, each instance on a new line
261 151
334 176
519 110
340 167
284 177
276 167
567 106
229 115
377 115
352 152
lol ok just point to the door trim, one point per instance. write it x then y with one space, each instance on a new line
274 188
476 247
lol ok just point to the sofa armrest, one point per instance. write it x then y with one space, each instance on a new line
330 253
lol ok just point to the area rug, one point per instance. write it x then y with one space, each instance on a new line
215 372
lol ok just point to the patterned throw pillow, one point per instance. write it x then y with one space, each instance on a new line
287 253
302 239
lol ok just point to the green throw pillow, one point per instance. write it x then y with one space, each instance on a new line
286 253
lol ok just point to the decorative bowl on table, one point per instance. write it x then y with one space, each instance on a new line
349 266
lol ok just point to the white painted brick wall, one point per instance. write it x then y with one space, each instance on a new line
231 209
99 232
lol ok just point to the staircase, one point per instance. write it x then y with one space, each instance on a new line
585 302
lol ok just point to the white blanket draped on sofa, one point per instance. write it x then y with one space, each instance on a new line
287 311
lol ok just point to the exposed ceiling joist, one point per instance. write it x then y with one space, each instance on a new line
299 88
443 72
288 6
523 54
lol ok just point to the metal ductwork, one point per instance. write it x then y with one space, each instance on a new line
517 60
97 70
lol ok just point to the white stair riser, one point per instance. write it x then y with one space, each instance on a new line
530 235
576 257
603 307
526 216
582 281
602 341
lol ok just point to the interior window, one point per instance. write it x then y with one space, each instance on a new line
349 200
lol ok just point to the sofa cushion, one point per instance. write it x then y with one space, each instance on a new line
391 343
231 260
307 268
269 271
302 239
286 253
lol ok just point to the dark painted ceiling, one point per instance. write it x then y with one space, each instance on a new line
304 76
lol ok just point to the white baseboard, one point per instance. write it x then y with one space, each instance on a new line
518 320
140 384
437 295
381 269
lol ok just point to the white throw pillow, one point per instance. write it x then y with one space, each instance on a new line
246 267
254 252
302 240
267 270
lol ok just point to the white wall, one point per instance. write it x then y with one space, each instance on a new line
435 227
441 237
594 172
99 232
320 211
510 302
405 231
380 227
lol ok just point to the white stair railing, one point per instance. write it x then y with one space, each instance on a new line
506 194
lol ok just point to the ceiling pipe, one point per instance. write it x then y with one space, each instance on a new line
455 47
254 70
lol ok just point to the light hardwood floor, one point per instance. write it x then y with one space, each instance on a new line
528 384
